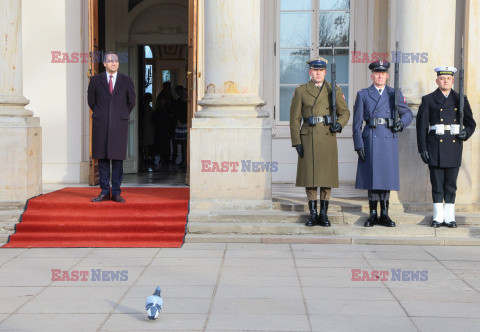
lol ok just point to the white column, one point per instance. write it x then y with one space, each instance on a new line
231 127
469 177
20 133
417 34
425 26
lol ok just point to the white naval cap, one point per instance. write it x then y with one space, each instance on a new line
445 70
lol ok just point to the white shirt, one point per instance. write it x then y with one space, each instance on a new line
319 85
114 78
446 95
380 90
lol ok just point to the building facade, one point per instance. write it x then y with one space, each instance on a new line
249 57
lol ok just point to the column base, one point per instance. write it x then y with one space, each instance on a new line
21 157
231 157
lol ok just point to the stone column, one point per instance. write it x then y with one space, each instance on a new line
231 136
20 133
469 176
416 34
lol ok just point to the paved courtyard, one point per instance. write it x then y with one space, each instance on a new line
236 287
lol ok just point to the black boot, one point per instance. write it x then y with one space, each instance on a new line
384 218
312 206
373 219
323 218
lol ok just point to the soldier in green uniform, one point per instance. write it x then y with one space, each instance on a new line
315 142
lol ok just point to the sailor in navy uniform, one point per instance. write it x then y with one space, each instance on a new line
375 138
440 143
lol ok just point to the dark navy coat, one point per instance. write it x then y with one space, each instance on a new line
380 169
110 115
444 150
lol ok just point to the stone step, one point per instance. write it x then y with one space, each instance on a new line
7 227
357 218
3 239
308 239
12 205
226 228
10 215
361 205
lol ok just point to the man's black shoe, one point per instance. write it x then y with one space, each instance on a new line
436 224
118 199
452 224
101 198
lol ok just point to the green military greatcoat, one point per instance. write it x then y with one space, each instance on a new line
319 165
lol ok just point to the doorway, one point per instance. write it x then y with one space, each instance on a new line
157 41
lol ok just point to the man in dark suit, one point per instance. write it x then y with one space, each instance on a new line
111 96
440 143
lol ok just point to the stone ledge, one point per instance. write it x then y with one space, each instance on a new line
292 239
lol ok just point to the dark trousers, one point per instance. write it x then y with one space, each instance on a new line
444 184
117 175
378 195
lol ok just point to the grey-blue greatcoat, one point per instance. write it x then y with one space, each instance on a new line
380 169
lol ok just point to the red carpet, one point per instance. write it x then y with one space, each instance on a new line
151 217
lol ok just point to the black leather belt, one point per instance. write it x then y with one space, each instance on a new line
313 120
374 122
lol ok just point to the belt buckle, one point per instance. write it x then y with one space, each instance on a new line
381 121
454 129
440 129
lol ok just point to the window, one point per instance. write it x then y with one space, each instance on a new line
170 75
148 78
148 52
309 28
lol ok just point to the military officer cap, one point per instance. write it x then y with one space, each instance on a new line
379 66
318 63
445 70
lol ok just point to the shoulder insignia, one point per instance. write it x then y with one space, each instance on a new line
343 96
404 100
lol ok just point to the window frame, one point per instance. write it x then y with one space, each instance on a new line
314 48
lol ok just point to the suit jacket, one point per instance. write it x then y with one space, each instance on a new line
110 115
444 150
319 165
380 170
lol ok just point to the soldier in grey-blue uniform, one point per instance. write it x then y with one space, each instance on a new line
375 138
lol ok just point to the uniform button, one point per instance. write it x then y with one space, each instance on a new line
455 120
453 141
441 120
455 109
441 140
441 110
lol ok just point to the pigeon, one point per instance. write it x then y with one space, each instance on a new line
154 304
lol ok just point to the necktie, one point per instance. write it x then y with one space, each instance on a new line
380 91
110 84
